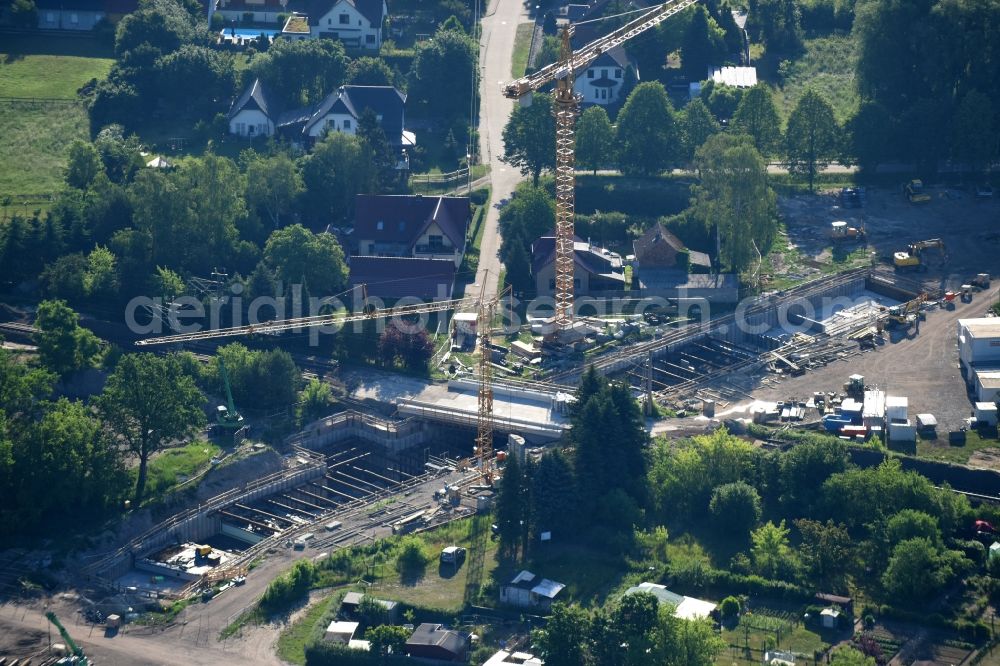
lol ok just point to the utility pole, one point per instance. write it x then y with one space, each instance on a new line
650 410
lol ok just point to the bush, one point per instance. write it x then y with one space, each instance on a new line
288 588
479 197
412 558
730 607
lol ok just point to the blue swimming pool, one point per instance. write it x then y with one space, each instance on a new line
249 33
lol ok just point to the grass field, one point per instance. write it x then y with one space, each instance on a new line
174 466
522 49
826 66
34 140
48 76
292 642
940 449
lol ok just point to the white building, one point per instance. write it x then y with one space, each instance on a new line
978 341
686 608
356 23
526 590
504 658
602 81
340 632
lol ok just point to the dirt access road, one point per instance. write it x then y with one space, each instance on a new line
496 49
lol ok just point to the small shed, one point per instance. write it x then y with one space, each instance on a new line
994 550
340 632
986 413
828 618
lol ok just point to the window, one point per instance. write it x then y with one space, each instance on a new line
590 73
345 19
618 73
380 225
347 124
371 246
604 73
74 18
597 94
329 21
402 226
50 17
435 241
240 129
370 39
331 123
251 130
604 93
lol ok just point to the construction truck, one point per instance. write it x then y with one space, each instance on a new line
915 193
912 257
981 281
841 232
76 652
854 387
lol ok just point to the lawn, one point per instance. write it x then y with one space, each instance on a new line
34 139
827 65
522 49
765 628
940 449
293 639
48 76
176 465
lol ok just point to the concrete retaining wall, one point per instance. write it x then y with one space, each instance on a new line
394 436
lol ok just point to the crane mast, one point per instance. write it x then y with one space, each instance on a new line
566 109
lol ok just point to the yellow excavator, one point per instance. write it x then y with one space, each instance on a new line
906 314
912 257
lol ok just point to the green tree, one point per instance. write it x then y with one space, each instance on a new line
160 25
388 639
529 137
870 135
167 284
811 139
735 508
259 379
518 267
804 468
512 508
772 556
974 133
529 215
563 640
827 550
735 196
119 153
303 71
23 14
340 166
595 139
369 71
300 256
101 276
918 569
757 116
445 73
647 135
64 347
148 402
273 185
704 45
553 505
195 81
697 125
314 400
371 132
779 24
84 165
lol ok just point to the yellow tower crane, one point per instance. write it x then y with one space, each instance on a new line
566 110
486 309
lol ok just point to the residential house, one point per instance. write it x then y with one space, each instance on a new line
687 608
433 641
596 270
356 23
424 227
403 277
526 590
658 248
602 81
257 113
80 14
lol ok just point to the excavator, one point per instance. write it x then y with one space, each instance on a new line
906 314
912 257
76 652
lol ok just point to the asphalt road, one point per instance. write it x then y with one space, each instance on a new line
495 52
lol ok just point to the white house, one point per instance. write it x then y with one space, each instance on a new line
251 114
357 23
255 113
601 83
